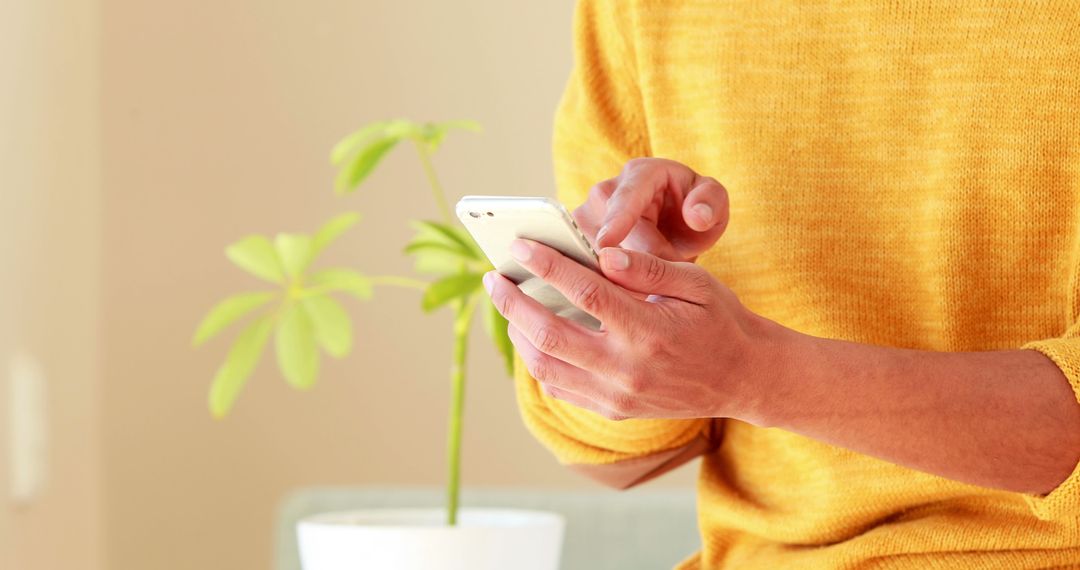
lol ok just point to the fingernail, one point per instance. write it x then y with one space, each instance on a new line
600 234
703 211
489 281
520 250
614 259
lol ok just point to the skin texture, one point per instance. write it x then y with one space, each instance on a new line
676 343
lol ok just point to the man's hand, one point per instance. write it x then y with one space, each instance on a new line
657 206
682 352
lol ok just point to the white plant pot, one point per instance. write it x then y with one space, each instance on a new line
418 539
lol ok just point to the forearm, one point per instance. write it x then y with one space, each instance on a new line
1003 419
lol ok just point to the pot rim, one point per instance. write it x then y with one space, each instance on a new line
433 519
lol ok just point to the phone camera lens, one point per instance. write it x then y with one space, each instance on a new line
474 214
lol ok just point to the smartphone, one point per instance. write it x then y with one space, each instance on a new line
496 221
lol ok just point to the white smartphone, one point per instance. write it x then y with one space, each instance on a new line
496 221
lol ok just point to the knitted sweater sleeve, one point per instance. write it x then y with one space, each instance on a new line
599 126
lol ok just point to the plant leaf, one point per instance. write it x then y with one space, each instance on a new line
451 235
333 329
429 264
440 249
432 247
439 258
227 312
238 365
496 324
331 230
294 251
435 133
365 162
449 288
256 255
297 355
342 279
432 134
351 143
404 129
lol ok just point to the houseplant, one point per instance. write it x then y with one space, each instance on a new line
303 316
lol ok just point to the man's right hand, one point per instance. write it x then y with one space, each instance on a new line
657 206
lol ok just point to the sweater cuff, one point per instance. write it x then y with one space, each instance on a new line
1062 503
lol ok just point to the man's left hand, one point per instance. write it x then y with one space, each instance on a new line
675 342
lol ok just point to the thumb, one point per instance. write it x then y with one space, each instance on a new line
652 275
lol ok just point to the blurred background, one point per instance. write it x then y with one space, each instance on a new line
137 139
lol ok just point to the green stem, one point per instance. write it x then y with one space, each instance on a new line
436 188
463 312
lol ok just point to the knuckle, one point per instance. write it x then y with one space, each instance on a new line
547 338
649 347
594 193
623 405
540 367
655 270
590 295
602 190
699 280
637 163
544 265
504 303
633 385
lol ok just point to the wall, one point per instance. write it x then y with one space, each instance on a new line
218 121
50 272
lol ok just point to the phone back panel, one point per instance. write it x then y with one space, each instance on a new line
496 221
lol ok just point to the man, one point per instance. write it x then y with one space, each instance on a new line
879 358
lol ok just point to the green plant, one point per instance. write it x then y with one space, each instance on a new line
303 314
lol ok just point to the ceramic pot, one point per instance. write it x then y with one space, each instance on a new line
419 539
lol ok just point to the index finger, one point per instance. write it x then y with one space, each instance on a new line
641 181
626 204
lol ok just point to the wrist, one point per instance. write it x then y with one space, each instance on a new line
774 361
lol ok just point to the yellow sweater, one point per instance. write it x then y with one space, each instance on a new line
900 173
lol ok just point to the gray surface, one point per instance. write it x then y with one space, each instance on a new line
605 530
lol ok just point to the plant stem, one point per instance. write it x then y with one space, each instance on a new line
399 282
436 188
463 312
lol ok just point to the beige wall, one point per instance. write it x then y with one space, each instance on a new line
216 120
49 281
